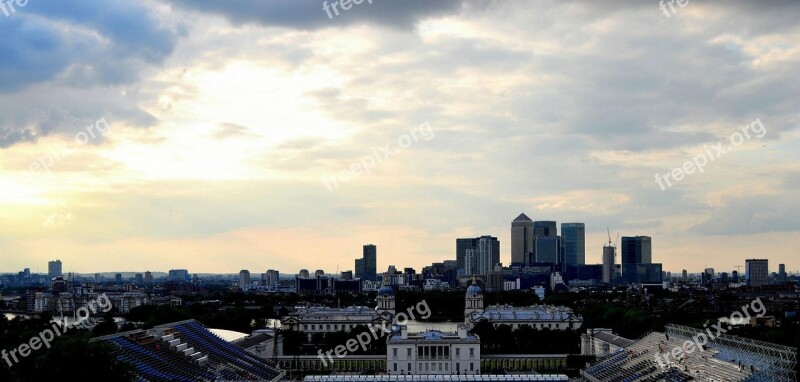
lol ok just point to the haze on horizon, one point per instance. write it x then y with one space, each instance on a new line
225 118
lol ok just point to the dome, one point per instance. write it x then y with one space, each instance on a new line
386 290
473 290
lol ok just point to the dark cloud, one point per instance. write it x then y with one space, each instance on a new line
74 52
309 14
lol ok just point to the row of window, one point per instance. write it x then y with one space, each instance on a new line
433 367
429 352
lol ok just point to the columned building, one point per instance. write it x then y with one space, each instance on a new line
433 352
537 316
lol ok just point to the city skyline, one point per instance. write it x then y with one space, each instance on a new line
151 144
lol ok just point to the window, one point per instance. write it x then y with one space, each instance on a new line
471 366
458 366
409 367
395 367
409 355
446 367
394 354
458 352
471 352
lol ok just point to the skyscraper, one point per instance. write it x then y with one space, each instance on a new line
544 228
521 239
54 269
244 280
478 255
756 272
635 251
782 273
609 264
359 268
548 249
148 278
573 239
370 262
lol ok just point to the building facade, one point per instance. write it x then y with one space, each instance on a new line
433 352
521 239
757 272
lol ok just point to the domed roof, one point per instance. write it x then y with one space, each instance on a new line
386 290
473 290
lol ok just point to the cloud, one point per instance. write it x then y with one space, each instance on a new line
65 64
58 219
309 14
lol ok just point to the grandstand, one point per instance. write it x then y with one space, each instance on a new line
186 351
726 358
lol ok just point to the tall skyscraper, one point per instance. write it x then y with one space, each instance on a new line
685 276
273 278
635 251
521 239
244 280
359 268
782 273
54 269
478 255
756 272
548 249
370 262
148 278
544 228
573 240
609 264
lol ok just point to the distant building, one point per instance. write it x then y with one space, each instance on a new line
370 262
347 275
329 320
54 269
319 273
148 278
757 272
544 228
521 240
118 278
433 352
548 249
480 255
609 264
635 250
359 269
273 279
303 274
139 279
244 280
782 273
573 240
685 276
179 275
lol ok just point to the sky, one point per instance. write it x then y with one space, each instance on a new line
272 134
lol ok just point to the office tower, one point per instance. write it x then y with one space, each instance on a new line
521 239
370 262
685 276
735 276
635 250
573 240
303 274
462 246
609 264
178 275
346 275
139 279
548 249
478 255
544 228
118 278
54 269
782 273
757 272
710 272
359 269
319 273
244 280
273 278
148 278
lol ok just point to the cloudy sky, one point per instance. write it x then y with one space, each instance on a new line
219 136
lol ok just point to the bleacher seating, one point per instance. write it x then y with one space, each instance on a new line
187 352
